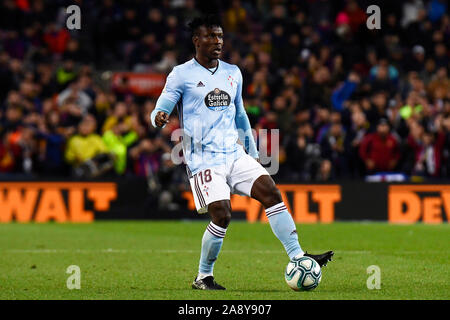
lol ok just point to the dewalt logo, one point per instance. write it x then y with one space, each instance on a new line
53 201
414 203
324 197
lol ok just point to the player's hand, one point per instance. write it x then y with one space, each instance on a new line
161 119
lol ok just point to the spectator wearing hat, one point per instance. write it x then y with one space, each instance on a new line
416 61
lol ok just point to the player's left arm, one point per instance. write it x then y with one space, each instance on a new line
243 124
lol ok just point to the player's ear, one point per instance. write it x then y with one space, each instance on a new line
195 40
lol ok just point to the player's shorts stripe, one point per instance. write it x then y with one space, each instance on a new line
189 173
199 193
196 189
214 232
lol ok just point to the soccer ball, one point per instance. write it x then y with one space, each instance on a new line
302 274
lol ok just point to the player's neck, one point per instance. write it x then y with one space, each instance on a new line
206 62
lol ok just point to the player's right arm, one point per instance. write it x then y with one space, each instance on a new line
167 100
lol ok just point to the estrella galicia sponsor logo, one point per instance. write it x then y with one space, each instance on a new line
217 100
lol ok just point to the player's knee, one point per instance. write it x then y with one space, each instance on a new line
273 196
220 214
265 191
223 218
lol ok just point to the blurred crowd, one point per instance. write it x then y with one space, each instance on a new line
348 101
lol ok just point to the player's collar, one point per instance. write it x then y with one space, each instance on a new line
212 71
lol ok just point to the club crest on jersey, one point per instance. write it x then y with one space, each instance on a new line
205 190
217 100
232 81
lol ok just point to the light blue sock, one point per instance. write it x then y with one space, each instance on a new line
211 244
283 227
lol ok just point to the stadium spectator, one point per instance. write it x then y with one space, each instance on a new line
145 159
333 149
304 156
259 87
54 137
7 161
119 116
86 152
117 141
56 38
77 96
356 16
427 147
65 73
446 147
343 93
317 89
236 18
354 136
118 134
311 69
145 53
380 150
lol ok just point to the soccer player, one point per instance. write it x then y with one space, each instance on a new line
208 94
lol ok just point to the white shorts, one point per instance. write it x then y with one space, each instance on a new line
217 183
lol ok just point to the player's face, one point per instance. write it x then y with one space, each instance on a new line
209 42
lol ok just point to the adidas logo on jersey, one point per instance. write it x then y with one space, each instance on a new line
200 84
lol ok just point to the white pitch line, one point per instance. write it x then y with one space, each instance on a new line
110 250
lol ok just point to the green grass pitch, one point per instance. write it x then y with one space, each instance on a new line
158 260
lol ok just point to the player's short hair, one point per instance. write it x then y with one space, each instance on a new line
208 21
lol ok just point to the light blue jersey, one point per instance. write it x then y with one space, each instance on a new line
211 112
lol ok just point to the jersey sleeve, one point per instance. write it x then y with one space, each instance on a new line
242 122
170 95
